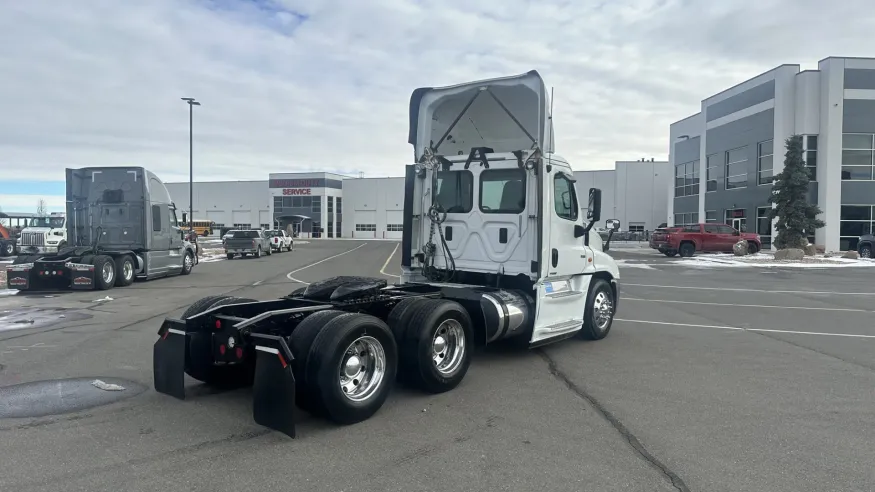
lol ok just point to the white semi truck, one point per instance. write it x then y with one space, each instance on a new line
44 234
495 247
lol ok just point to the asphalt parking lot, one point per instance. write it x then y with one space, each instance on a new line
712 379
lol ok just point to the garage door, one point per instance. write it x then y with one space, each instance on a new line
365 224
394 224
241 218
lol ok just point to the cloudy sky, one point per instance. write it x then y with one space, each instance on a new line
303 85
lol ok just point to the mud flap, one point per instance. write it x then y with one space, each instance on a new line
18 276
273 392
168 359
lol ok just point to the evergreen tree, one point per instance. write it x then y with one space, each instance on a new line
797 218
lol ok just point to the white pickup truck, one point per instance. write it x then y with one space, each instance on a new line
280 240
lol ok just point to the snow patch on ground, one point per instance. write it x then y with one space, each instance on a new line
633 264
8 292
767 260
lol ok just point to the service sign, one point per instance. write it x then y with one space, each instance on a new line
296 191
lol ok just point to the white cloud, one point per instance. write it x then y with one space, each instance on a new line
98 82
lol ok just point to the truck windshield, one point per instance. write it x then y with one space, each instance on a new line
455 191
53 222
245 234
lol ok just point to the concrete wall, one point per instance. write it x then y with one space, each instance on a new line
640 196
604 180
225 202
373 201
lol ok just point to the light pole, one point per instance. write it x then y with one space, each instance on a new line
191 104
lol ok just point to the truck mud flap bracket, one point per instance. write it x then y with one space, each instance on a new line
168 358
273 391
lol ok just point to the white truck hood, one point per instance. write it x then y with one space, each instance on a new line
37 229
505 114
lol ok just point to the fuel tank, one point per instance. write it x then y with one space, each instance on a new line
506 313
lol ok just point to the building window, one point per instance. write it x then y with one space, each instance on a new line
339 228
394 227
855 220
710 216
315 204
736 168
636 226
857 152
339 208
265 226
366 228
765 156
330 228
737 218
277 202
242 226
681 220
809 151
330 204
686 179
764 226
714 171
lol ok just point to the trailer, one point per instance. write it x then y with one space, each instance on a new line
495 247
121 224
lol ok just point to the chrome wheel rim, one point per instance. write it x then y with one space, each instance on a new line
602 310
128 270
187 262
448 347
866 253
107 272
362 369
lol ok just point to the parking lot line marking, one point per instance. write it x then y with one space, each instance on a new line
754 290
293 279
735 328
383 270
749 305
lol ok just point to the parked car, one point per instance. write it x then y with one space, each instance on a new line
708 238
228 234
864 247
280 240
248 242
659 240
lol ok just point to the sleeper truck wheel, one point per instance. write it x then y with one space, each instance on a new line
199 363
437 344
124 265
599 314
687 250
352 366
105 272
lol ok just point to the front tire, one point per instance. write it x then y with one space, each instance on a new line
436 345
752 248
599 314
187 263
8 249
105 272
352 365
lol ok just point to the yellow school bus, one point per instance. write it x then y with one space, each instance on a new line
201 227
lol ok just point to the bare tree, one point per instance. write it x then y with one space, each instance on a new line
42 209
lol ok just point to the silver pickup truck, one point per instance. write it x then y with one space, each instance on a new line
247 242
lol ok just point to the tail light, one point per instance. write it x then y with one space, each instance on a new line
253 243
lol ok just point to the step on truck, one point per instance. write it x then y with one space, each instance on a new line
496 246
121 225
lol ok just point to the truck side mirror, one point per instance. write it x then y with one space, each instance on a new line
594 208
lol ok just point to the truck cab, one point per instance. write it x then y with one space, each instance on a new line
488 203
44 234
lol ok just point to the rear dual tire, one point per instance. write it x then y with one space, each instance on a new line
345 364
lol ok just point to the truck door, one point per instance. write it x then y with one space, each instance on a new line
159 253
176 251
567 262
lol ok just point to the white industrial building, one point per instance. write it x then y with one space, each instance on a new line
330 206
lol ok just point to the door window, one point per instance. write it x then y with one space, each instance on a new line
503 191
564 198
156 218
724 229
712 229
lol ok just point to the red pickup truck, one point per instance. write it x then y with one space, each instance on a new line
709 238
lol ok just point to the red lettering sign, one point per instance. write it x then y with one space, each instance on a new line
296 191
295 183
